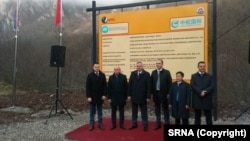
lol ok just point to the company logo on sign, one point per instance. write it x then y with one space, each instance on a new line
105 29
104 19
119 28
200 10
175 23
187 23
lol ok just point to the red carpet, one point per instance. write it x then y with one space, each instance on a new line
83 134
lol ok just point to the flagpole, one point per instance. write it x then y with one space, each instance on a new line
14 74
60 35
15 56
61 24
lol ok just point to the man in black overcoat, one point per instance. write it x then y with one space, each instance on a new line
117 95
96 87
139 91
202 93
160 89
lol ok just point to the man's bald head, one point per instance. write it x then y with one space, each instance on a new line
117 69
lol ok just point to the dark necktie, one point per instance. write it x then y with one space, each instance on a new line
116 76
177 94
158 80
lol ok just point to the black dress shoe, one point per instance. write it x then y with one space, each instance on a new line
157 127
132 127
101 127
122 127
166 123
113 127
145 129
91 127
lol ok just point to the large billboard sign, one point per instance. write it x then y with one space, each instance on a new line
178 35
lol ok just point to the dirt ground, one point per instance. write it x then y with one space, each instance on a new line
38 101
76 102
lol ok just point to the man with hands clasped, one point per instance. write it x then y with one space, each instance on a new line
202 94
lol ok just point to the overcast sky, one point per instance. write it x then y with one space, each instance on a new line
110 2
88 2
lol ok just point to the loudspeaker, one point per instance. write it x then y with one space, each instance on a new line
57 58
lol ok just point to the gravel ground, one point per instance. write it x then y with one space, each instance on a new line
58 125
54 130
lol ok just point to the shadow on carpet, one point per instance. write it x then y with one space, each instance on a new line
83 134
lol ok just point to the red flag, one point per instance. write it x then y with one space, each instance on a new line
58 12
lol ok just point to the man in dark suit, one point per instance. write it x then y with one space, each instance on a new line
117 95
202 88
96 86
161 82
139 93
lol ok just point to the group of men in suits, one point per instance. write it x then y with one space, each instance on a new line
138 90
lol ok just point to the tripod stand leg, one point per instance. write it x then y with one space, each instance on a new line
49 114
65 108
242 113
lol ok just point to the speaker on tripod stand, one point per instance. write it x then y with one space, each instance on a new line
57 59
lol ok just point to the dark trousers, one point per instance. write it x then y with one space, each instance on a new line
121 114
144 114
92 112
162 106
208 116
184 121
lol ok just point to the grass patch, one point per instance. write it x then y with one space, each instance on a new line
6 89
